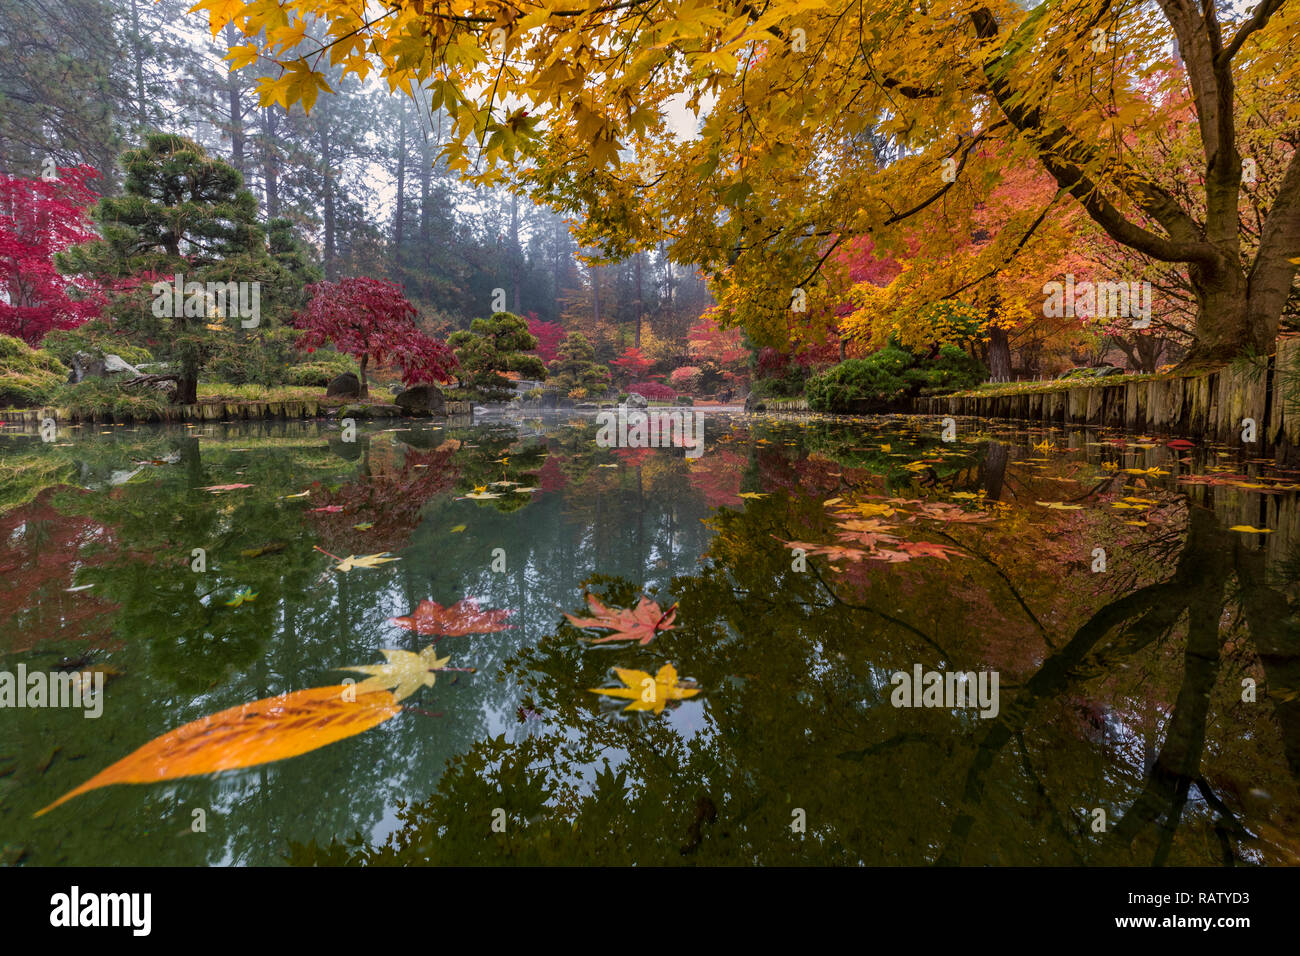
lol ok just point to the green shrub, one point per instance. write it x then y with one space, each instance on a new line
685 400
857 385
879 381
28 376
326 367
99 397
20 390
789 384
95 337
951 370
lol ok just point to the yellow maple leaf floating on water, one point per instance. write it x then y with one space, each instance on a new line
404 674
1248 529
366 561
646 692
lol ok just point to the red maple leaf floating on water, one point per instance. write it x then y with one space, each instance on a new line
463 617
327 509
640 624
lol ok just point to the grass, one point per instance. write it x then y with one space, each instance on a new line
998 389
221 392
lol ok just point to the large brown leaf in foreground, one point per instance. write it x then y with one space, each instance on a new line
463 617
265 730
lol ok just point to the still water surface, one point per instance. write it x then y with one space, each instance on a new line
1146 654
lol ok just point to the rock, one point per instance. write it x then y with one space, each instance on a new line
87 365
381 411
636 400
422 400
346 385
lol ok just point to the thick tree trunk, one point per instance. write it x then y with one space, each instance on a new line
365 386
1224 325
187 388
999 354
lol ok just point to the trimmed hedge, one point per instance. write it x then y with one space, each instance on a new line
889 378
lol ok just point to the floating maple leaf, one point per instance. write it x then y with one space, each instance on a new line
463 617
216 488
327 509
405 672
640 624
352 561
366 561
265 730
646 692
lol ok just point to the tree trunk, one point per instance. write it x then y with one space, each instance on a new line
1224 328
270 169
234 99
637 267
400 212
515 252
365 387
187 386
999 354
137 57
327 197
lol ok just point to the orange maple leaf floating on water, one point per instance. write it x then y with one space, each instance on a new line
463 617
640 624
265 730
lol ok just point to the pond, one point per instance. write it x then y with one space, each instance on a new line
846 642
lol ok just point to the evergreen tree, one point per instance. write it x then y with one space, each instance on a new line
490 348
576 367
186 214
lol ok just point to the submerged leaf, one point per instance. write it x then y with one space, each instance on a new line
265 730
463 617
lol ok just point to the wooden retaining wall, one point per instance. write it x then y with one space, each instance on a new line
1211 406
205 412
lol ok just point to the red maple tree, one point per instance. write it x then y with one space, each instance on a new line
549 335
371 319
39 217
633 364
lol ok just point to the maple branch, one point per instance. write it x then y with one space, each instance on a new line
1264 11
1184 243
